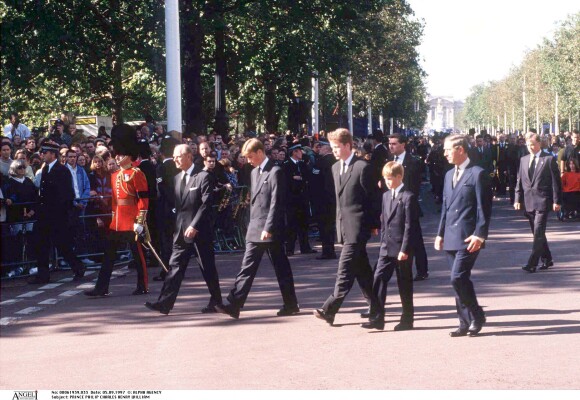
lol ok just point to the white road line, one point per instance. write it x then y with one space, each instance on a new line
31 294
66 280
28 311
86 286
8 320
90 273
50 301
70 293
9 301
50 286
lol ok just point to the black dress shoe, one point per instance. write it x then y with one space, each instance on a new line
529 269
326 257
376 323
97 293
228 309
38 281
79 274
321 314
311 251
421 277
459 332
366 313
139 291
157 307
546 265
209 309
475 326
286 311
403 326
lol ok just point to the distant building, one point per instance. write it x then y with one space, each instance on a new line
442 113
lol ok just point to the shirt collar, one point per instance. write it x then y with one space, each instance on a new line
400 157
52 164
295 161
537 154
71 168
348 161
189 170
397 190
263 165
464 164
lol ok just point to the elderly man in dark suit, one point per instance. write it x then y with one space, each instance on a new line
193 232
53 213
463 229
356 215
539 187
265 234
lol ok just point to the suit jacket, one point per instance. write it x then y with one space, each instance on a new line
412 177
297 190
545 187
357 209
466 209
379 158
195 206
56 193
399 223
147 167
267 204
166 172
483 159
321 185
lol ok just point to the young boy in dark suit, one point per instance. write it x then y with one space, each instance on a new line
399 236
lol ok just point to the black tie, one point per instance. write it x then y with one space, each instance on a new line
396 160
532 168
182 186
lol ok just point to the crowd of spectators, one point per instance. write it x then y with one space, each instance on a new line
91 160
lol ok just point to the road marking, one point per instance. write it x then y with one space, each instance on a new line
50 286
66 280
31 294
86 286
8 302
70 293
8 320
28 311
89 273
50 301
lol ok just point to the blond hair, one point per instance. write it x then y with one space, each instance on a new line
252 146
341 135
393 168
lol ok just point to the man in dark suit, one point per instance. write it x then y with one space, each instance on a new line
500 159
481 154
193 232
53 213
166 172
463 229
399 236
412 180
297 176
539 187
379 156
264 233
323 199
356 215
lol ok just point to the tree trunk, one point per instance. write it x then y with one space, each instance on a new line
192 35
221 123
270 107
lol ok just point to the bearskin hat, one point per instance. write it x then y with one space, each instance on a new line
124 140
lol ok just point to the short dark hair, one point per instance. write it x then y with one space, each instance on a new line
401 138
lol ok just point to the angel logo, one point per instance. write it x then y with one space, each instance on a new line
25 395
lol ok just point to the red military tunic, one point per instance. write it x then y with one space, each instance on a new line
130 199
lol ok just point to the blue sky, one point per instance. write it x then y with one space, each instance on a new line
469 42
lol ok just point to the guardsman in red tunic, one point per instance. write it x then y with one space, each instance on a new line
130 203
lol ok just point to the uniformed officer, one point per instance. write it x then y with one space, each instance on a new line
323 199
130 203
298 207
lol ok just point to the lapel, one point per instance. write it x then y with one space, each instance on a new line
189 184
393 207
344 179
541 162
260 179
464 177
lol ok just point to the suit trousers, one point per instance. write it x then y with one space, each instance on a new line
251 262
115 239
352 264
166 241
182 253
56 232
540 250
326 227
421 262
383 273
461 263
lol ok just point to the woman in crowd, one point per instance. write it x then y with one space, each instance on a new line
22 154
100 179
82 162
571 190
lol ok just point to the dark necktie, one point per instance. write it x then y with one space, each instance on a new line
455 177
396 160
532 168
182 186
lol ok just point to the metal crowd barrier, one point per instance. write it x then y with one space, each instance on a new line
18 242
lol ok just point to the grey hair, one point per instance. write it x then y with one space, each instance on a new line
14 166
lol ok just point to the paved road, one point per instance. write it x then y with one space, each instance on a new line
57 338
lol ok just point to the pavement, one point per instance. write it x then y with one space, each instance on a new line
54 337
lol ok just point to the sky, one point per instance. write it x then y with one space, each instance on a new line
468 42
